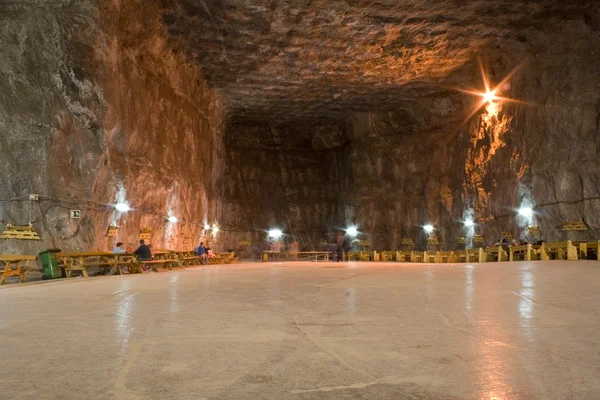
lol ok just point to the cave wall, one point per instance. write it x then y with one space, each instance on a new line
283 176
95 108
405 170
422 163
103 101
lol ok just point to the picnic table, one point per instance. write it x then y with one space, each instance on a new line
525 252
165 258
558 251
81 261
189 258
11 264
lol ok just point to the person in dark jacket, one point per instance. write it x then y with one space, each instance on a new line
143 252
505 245
202 253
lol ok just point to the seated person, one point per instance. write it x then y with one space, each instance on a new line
143 252
119 248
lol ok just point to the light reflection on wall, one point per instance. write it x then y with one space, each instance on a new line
469 215
120 197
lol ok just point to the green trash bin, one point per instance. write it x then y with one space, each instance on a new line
50 263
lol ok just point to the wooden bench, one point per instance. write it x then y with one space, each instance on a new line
404 256
353 256
81 261
446 257
166 258
417 256
558 251
388 256
11 266
189 258
430 257
525 252
153 264
472 255
496 253
129 261
591 247
230 258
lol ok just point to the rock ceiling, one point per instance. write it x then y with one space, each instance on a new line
281 59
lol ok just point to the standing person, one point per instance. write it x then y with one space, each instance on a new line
505 245
119 248
202 253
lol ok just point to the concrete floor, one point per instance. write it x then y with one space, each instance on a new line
526 330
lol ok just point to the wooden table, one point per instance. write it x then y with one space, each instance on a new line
81 261
526 252
188 258
167 258
12 266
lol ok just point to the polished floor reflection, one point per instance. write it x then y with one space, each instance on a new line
308 331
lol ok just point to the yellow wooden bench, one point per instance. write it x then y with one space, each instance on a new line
404 256
11 266
430 257
472 255
154 264
446 257
166 258
388 256
189 258
558 251
353 255
230 258
417 256
81 261
525 252
592 247
496 253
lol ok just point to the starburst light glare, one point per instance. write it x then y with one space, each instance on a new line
526 211
275 233
122 207
352 231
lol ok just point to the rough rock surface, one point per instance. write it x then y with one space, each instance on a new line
306 115
95 109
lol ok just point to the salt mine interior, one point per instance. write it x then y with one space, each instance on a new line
285 126
306 116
